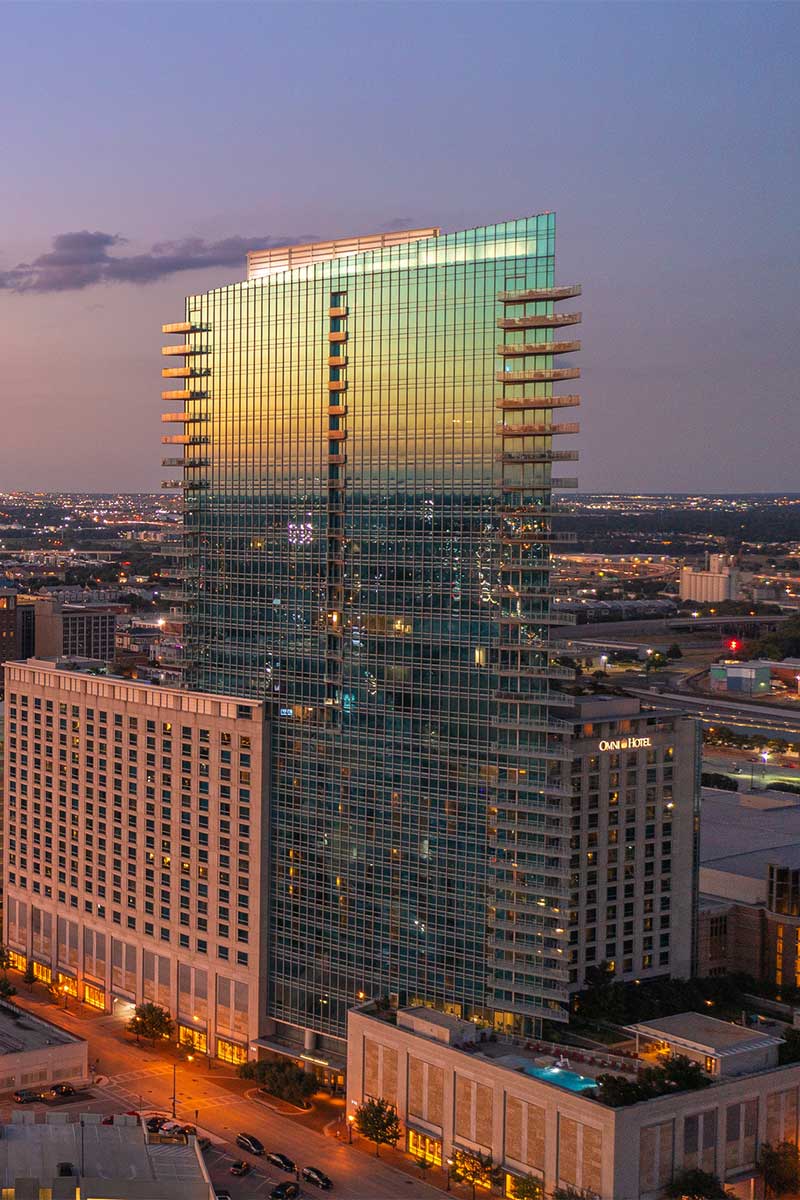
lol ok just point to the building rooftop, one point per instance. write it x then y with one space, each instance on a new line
732 825
20 1031
708 1035
114 1162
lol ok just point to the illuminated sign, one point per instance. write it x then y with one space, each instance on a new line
628 743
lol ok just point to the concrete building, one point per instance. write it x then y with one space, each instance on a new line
751 678
8 628
454 1090
35 1054
120 1161
717 581
136 853
74 630
632 774
366 548
749 915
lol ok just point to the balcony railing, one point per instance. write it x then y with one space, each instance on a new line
540 321
510 431
539 348
565 292
527 402
548 375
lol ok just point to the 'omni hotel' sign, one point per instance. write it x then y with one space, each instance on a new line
628 743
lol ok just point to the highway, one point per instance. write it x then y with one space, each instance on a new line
749 718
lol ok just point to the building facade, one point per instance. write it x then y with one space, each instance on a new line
367 463
74 631
718 581
136 847
634 776
455 1092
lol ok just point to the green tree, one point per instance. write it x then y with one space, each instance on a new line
527 1187
424 1166
377 1121
151 1021
474 1169
30 975
779 1167
693 1184
789 1049
283 1079
7 989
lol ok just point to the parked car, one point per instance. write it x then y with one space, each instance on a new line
285 1191
317 1177
154 1124
171 1129
247 1141
204 1143
240 1167
65 1168
26 1096
189 1129
60 1091
222 1194
282 1161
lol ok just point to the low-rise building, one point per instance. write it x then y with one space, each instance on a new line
712 584
136 847
63 1157
541 1117
34 1053
752 678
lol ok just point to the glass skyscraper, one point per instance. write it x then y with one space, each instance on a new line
367 466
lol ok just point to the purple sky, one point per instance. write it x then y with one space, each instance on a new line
664 135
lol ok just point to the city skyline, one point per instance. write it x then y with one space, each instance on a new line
660 156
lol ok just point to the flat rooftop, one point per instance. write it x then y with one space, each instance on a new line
730 826
118 1162
696 1031
20 1031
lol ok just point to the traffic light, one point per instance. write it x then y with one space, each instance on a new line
734 645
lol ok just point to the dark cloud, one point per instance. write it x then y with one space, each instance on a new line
397 224
82 259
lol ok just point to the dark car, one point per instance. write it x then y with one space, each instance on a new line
154 1124
246 1141
60 1091
26 1096
317 1177
222 1194
204 1143
282 1161
240 1167
65 1168
189 1130
285 1191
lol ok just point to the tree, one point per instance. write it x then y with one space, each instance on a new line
151 1021
474 1169
527 1187
7 989
424 1166
377 1121
283 1079
779 1166
571 1193
693 1184
30 974
789 1049
674 651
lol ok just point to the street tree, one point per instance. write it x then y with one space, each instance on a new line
377 1121
30 974
527 1187
474 1169
694 1184
779 1166
151 1021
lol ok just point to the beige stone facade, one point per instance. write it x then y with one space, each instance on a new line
136 847
463 1097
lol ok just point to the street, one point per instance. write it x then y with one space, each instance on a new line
221 1106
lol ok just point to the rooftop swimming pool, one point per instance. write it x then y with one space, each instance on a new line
563 1078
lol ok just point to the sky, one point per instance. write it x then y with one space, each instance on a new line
146 146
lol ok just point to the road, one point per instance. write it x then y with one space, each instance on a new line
750 718
220 1105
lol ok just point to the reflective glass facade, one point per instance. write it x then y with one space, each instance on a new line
368 447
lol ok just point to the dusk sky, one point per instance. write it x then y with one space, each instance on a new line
178 135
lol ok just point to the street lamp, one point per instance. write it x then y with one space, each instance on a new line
65 991
174 1073
449 1165
350 1120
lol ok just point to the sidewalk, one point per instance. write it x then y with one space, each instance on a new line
437 1177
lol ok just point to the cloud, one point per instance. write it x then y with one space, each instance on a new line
397 224
82 259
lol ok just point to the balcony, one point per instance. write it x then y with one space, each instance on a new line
336 435
179 327
338 336
173 462
175 439
548 375
544 672
171 483
336 385
176 372
527 402
539 348
340 311
177 418
182 395
537 430
538 456
540 321
337 410
566 292
337 360
335 459
182 350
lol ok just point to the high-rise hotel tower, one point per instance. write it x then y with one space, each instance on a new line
367 468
